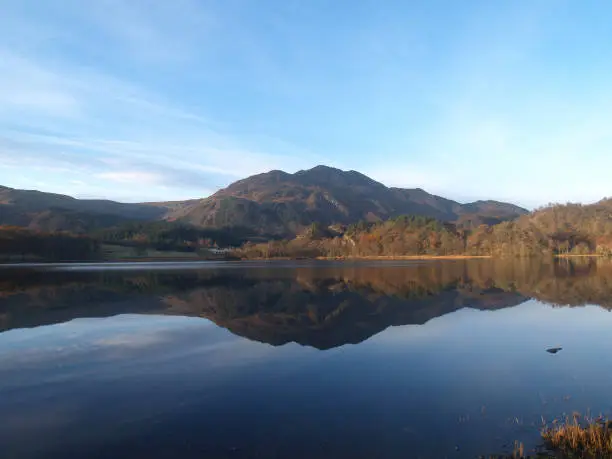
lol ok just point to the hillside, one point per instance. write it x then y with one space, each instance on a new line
19 244
564 229
570 229
38 210
278 203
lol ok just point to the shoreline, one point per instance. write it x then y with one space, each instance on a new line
573 255
407 257
192 259
171 260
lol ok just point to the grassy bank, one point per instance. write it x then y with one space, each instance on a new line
572 438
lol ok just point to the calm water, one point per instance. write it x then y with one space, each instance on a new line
266 360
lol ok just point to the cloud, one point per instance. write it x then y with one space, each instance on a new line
196 169
109 129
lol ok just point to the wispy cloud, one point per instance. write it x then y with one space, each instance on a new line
108 127
94 123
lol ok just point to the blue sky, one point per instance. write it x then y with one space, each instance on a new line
152 99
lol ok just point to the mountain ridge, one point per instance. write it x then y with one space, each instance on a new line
281 203
275 203
58 212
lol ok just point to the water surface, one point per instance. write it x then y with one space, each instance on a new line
233 360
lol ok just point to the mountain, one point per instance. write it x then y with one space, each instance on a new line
55 212
279 203
274 203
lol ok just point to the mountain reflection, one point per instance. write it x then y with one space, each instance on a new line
322 306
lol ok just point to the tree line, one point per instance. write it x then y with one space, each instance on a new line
164 235
20 244
554 230
569 229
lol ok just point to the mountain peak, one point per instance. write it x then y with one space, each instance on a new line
323 167
326 175
320 169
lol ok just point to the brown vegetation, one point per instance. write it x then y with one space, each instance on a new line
562 230
589 439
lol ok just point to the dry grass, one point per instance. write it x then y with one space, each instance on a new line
519 450
590 438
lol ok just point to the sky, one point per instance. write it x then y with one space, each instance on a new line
161 100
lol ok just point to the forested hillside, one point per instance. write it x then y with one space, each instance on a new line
164 235
553 230
19 244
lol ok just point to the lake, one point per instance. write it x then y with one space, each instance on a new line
301 360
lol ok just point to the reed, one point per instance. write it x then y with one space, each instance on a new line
580 438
